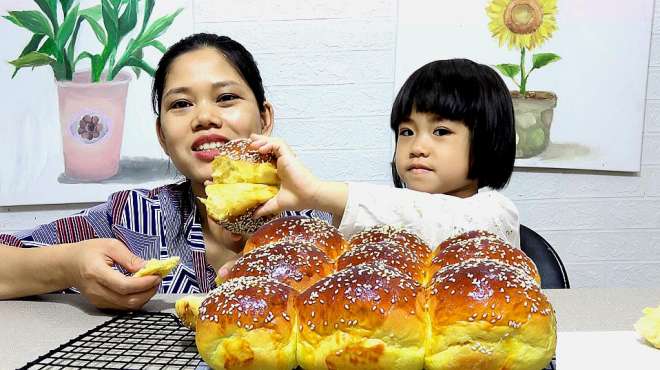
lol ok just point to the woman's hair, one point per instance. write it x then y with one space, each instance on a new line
462 90
236 55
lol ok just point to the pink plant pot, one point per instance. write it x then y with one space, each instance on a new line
92 125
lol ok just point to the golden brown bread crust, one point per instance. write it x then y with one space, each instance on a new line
239 150
298 264
483 248
311 230
467 237
486 314
365 316
235 318
388 252
399 235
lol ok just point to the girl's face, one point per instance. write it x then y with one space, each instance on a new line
433 155
206 103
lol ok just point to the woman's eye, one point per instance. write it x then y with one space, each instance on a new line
405 132
441 131
226 97
179 104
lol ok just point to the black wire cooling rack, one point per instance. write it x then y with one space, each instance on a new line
145 340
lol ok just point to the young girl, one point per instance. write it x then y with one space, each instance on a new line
207 90
455 146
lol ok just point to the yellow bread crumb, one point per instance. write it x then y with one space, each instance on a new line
158 267
648 326
187 309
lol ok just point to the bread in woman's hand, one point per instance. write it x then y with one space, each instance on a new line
158 267
311 230
243 179
368 316
248 323
296 263
485 314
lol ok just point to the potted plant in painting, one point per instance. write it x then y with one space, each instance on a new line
525 25
91 102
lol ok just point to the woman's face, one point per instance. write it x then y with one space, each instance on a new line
206 103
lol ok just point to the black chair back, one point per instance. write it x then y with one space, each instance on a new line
552 270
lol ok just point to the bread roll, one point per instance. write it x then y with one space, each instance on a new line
318 232
368 316
488 315
243 179
481 248
296 263
248 323
399 235
388 252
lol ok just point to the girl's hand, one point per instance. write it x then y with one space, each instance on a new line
298 188
91 272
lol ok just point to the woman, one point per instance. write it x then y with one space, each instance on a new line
207 90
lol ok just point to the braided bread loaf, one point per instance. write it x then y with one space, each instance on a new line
384 301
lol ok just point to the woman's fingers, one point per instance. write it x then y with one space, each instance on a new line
271 207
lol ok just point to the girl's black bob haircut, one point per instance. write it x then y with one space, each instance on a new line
462 90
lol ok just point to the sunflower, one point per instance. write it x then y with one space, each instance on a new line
522 23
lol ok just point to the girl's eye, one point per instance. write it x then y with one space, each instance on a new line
405 132
226 97
440 131
179 104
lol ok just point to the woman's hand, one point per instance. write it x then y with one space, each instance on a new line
91 272
298 188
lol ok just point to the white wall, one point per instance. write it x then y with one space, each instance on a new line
329 70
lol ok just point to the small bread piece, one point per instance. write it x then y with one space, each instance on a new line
648 326
402 236
248 323
312 230
158 267
187 309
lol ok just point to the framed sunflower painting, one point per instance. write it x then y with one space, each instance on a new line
576 70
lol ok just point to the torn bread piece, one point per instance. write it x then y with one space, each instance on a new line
158 267
187 309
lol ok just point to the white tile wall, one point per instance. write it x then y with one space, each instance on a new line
329 69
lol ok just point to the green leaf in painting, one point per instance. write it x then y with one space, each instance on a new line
158 45
140 63
30 47
32 59
49 7
148 8
67 27
33 20
509 70
543 59
96 27
159 27
128 19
